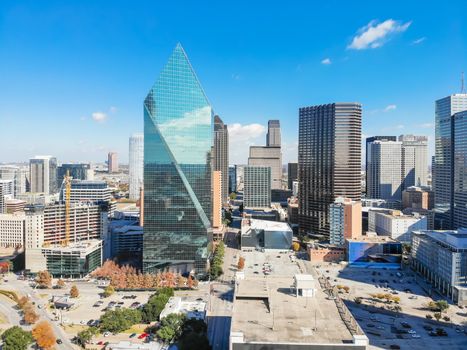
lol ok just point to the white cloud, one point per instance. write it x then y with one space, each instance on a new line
241 138
326 61
200 116
375 34
418 41
99 117
390 108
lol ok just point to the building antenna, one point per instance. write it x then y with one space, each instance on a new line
462 83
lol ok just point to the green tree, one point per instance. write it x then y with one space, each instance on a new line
233 196
437 315
109 290
442 305
85 336
15 338
194 341
171 326
116 321
156 303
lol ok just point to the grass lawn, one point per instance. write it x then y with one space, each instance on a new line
74 328
137 328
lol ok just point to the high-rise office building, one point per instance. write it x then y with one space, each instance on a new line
329 161
257 186
414 160
232 179
217 199
112 162
384 170
136 164
270 155
368 142
292 174
178 139
273 137
449 140
221 154
20 176
460 169
43 174
76 171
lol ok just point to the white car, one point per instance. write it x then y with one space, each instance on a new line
106 334
416 336
411 331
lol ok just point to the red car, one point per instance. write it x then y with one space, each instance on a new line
100 343
143 335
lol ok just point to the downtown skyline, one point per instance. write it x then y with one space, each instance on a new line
390 59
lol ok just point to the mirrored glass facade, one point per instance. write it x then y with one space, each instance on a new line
178 139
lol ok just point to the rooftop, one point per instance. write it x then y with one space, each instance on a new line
454 239
266 225
371 239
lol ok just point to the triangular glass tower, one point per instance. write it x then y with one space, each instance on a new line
178 139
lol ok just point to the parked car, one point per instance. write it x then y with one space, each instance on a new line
132 335
59 341
142 335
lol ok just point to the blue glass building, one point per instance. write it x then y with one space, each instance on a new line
178 140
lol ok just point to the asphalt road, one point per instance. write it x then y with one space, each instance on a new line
24 288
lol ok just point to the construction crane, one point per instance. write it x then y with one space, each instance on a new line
67 182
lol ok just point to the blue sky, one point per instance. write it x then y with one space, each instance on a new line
73 74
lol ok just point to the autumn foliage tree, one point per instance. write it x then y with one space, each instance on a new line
60 283
44 279
74 292
126 277
296 246
241 263
44 335
30 316
22 302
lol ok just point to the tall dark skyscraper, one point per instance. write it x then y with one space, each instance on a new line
221 154
178 139
292 174
329 161
450 175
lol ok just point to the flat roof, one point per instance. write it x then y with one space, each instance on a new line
266 225
286 318
455 239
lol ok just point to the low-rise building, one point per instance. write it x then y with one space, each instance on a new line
373 251
191 309
319 253
265 234
418 198
441 257
394 224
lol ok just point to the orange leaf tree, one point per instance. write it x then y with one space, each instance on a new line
74 292
44 335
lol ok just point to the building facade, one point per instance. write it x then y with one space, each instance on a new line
178 140
441 257
269 157
445 144
43 174
112 162
329 161
136 165
384 170
7 189
273 136
232 179
460 170
345 220
221 154
12 228
76 171
19 175
414 160
418 198
257 186
394 224
292 174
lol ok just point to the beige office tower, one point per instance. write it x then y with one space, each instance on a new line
414 160
216 199
112 162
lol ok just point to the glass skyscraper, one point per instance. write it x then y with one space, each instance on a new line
448 142
178 139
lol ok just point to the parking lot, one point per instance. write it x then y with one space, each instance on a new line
405 328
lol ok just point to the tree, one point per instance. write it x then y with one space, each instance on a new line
171 326
74 292
194 341
358 300
116 321
44 279
442 305
233 196
60 283
44 335
30 316
109 290
85 336
437 315
396 299
190 282
15 338
428 316
22 302
156 303
241 263
447 318
296 246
